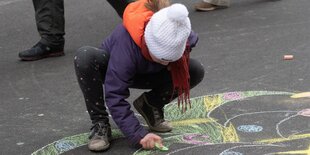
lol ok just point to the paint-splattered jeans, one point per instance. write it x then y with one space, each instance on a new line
91 65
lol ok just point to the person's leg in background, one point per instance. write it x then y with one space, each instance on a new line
150 104
210 5
119 5
49 15
90 67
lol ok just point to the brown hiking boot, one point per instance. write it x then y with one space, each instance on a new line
99 137
153 116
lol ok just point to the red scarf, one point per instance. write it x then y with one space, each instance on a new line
179 73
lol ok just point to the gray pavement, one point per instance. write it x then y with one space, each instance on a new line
241 47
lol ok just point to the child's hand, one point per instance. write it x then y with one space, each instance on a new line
149 140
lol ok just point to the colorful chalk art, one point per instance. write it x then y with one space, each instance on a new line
232 123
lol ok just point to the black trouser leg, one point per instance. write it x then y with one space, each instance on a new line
50 21
161 84
90 67
120 5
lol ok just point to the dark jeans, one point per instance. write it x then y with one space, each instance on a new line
91 65
50 19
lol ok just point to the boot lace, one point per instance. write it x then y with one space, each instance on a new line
158 115
99 129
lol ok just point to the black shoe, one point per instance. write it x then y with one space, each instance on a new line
153 116
100 137
40 51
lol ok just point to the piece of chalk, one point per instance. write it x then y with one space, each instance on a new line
288 57
161 148
301 95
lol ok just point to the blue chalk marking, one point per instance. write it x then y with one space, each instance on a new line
231 153
250 128
65 145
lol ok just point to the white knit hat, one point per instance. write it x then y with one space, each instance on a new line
167 32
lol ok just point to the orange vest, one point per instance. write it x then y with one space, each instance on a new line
135 17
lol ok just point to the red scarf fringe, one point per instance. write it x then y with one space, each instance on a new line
179 73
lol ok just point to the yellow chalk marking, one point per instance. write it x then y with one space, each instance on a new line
191 121
293 137
212 102
305 152
230 134
301 95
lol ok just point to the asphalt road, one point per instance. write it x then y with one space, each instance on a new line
241 47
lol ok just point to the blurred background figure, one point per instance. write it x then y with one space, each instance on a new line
210 5
50 21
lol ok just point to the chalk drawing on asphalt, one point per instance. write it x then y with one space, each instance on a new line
235 122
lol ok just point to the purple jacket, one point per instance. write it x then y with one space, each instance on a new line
125 61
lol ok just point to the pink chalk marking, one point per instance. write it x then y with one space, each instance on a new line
191 139
305 112
232 96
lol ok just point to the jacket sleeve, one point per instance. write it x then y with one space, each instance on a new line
193 39
119 77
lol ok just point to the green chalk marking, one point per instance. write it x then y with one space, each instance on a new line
161 148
